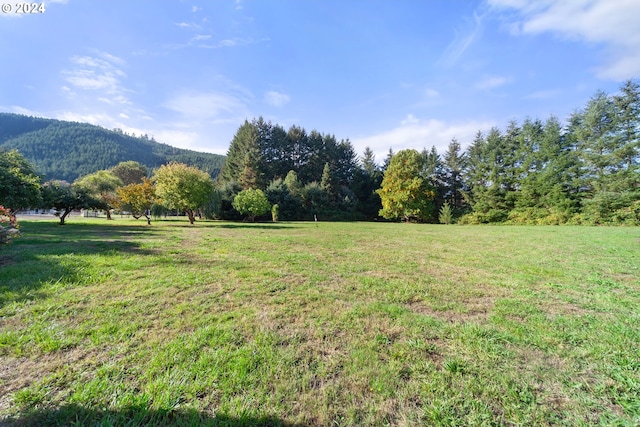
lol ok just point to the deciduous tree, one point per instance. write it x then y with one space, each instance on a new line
65 198
102 186
251 202
405 193
138 198
183 187
19 182
130 172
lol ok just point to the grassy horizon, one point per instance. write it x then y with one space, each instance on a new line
221 323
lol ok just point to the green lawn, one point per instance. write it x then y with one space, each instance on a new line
293 324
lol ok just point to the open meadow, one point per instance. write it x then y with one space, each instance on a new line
298 324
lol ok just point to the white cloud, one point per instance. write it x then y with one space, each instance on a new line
201 37
189 26
229 43
66 89
491 82
176 134
177 138
99 119
463 40
276 99
99 73
613 24
418 134
410 120
207 106
431 93
204 41
21 110
112 59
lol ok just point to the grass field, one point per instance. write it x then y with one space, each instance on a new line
293 324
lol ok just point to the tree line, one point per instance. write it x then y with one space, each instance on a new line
305 174
540 172
534 172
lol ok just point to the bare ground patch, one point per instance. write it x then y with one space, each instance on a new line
475 309
19 373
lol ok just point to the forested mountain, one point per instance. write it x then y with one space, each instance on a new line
67 150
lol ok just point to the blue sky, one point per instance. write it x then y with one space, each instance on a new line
382 73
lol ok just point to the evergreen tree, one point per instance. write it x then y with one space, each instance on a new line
488 186
475 171
627 118
433 171
595 132
453 168
328 184
344 163
368 162
314 200
387 160
251 175
289 205
546 193
298 143
237 162
446 214
366 181
292 183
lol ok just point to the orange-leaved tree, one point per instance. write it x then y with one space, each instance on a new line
138 198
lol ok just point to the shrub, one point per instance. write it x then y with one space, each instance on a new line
446 214
629 215
252 203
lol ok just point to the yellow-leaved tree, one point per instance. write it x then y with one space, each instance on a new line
405 193
183 187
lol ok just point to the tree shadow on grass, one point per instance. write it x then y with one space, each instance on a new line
257 225
46 252
75 415
230 225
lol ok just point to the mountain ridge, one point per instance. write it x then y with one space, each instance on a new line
67 150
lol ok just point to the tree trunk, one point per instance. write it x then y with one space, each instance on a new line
191 216
108 212
64 215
